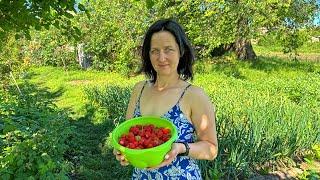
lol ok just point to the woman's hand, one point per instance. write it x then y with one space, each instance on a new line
120 157
176 149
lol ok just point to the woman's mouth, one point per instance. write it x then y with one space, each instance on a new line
163 65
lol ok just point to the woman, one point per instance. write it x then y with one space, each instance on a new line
167 62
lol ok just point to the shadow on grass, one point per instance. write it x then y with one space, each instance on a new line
229 69
268 64
39 89
232 68
89 152
34 93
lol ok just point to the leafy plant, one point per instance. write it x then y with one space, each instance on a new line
33 135
113 99
22 15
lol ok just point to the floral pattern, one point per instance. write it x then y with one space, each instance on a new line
182 167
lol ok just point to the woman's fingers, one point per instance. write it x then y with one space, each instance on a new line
124 163
120 158
116 152
169 157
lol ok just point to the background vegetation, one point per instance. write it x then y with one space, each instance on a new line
56 114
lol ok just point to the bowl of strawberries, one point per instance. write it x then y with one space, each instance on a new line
144 141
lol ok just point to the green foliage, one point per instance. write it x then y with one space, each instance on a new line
212 23
21 15
291 40
12 60
111 98
19 18
51 47
266 110
33 135
267 114
114 33
270 39
316 151
309 175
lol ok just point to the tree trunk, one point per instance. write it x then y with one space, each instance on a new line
244 50
83 58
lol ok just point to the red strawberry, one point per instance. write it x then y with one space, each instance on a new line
145 136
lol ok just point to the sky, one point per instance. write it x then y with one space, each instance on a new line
317 18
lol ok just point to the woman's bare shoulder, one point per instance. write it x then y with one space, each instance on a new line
196 91
197 95
137 87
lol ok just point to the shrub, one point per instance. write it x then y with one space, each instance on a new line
33 134
112 100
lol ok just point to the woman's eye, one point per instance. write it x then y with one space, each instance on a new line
169 50
154 51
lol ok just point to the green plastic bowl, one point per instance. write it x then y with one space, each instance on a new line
142 158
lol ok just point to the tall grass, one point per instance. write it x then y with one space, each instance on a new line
265 110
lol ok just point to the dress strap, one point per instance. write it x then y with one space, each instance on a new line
183 93
138 102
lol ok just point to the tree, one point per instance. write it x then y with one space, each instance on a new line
19 16
233 23
114 33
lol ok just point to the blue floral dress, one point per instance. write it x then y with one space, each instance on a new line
182 167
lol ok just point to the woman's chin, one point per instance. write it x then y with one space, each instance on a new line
164 72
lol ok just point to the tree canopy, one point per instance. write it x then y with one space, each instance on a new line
113 33
19 16
211 23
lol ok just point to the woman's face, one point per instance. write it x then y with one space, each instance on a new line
164 53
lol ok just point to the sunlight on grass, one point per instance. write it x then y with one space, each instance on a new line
308 52
73 83
266 109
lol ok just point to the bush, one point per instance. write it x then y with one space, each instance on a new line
33 134
112 100
51 47
114 33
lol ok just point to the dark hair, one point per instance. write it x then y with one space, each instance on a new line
186 51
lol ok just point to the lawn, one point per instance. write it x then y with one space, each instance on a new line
267 112
308 52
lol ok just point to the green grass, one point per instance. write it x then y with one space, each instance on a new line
267 109
307 48
308 52
72 84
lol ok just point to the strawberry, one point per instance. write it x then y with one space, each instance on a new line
145 136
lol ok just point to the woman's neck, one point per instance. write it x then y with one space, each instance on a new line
165 82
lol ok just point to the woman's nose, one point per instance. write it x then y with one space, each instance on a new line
162 56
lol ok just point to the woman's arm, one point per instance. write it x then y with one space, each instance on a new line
203 119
